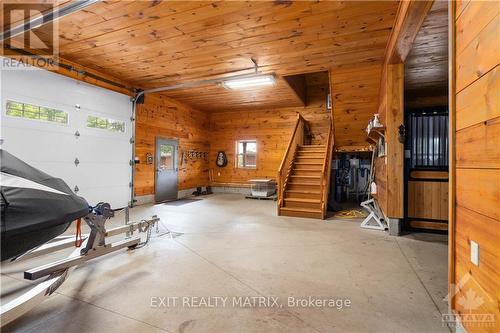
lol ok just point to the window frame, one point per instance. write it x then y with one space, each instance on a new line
39 107
107 129
237 142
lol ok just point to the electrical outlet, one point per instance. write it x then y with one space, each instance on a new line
474 253
218 174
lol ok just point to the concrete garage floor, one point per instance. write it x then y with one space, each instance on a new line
229 247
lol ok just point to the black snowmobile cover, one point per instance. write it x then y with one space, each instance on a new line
36 207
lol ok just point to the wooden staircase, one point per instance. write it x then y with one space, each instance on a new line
303 191
303 177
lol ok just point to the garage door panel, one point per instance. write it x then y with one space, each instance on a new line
111 174
66 171
117 194
39 146
104 150
103 100
38 127
104 171
34 84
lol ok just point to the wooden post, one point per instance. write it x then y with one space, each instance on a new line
395 149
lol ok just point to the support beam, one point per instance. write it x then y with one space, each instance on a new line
299 86
395 149
410 16
389 176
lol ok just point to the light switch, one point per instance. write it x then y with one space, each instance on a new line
474 253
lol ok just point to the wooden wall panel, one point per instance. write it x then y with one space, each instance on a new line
161 116
271 128
477 160
471 225
480 55
479 190
428 200
477 146
355 91
460 6
480 101
381 181
469 26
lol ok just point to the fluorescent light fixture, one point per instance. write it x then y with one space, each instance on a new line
250 81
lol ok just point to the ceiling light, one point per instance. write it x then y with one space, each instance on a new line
250 81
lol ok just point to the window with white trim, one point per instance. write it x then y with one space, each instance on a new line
35 112
105 123
246 154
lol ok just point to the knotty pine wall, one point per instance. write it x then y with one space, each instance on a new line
355 92
271 128
389 168
161 116
476 181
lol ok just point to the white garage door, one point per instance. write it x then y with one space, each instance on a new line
42 111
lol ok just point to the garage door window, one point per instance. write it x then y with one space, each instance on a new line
105 123
35 112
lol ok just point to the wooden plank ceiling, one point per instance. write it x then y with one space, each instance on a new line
160 43
426 68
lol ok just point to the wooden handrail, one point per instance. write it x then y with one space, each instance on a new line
325 171
290 142
297 138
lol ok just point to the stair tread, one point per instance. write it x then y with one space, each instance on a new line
316 155
303 191
308 163
305 210
313 152
299 183
310 151
303 200
298 176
